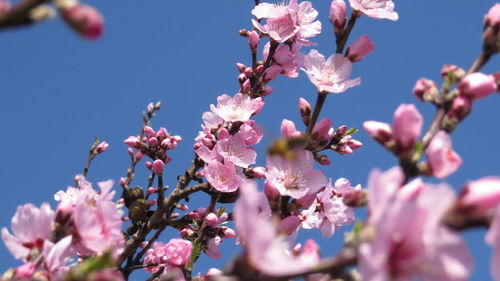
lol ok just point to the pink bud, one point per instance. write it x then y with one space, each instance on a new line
341 130
253 39
354 144
123 181
259 69
246 86
381 132
248 72
407 125
212 219
133 142
153 142
442 159
360 49
322 129
272 72
102 147
158 166
144 244
324 160
482 194
228 232
138 155
152 202
25 271
149 131
491 33
177 138
149 165
266 91
241 67
305 111
187 231
477 85
338 15
151 190
242 78
456 72
460 107
425 89
84 19
258 172
162 134
344 149
271 191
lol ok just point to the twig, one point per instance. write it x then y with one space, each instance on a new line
19 14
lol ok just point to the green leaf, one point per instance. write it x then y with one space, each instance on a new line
221 211
418 150
351 131
94 264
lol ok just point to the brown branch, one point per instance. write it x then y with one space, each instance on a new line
19 15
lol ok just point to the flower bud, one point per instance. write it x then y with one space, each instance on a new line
158 166
407 126
25 271
253 39
257 172
102 147
149 132
338 15
491 33
153 142
133 142
477 85
266 91
162 134
360 49
425 90
246 86
272 72
323 160
460 108
481 194
84 19
381 132
212 219
456 72
228 232
305 111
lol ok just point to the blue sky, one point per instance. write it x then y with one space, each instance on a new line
59 91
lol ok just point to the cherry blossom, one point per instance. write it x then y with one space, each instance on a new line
378 9
331 75
239 108
296 177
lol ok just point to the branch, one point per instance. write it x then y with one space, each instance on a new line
19 15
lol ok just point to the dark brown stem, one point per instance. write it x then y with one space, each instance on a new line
480 61
320 100
19 15
350 25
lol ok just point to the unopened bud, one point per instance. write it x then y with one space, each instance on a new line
158 166
241 67
360 49
338 15
133 142
253 39
102 147
305 111
456 72
323 160
84 19
477 85
460 107
212 219
272 72
149 132
153 142
425 90
491 33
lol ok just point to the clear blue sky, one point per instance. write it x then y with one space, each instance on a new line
59 91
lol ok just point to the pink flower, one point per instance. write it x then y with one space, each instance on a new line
85 20
328 212
378 9
360 48
213 247
286 57
239 108
31 227
481 194
266 251
408 240
235 150
286 21
56 257
493 239
222 176
331 75
289 130
477 85
296 177
97 221
407 125
251 132
178 251
442 159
